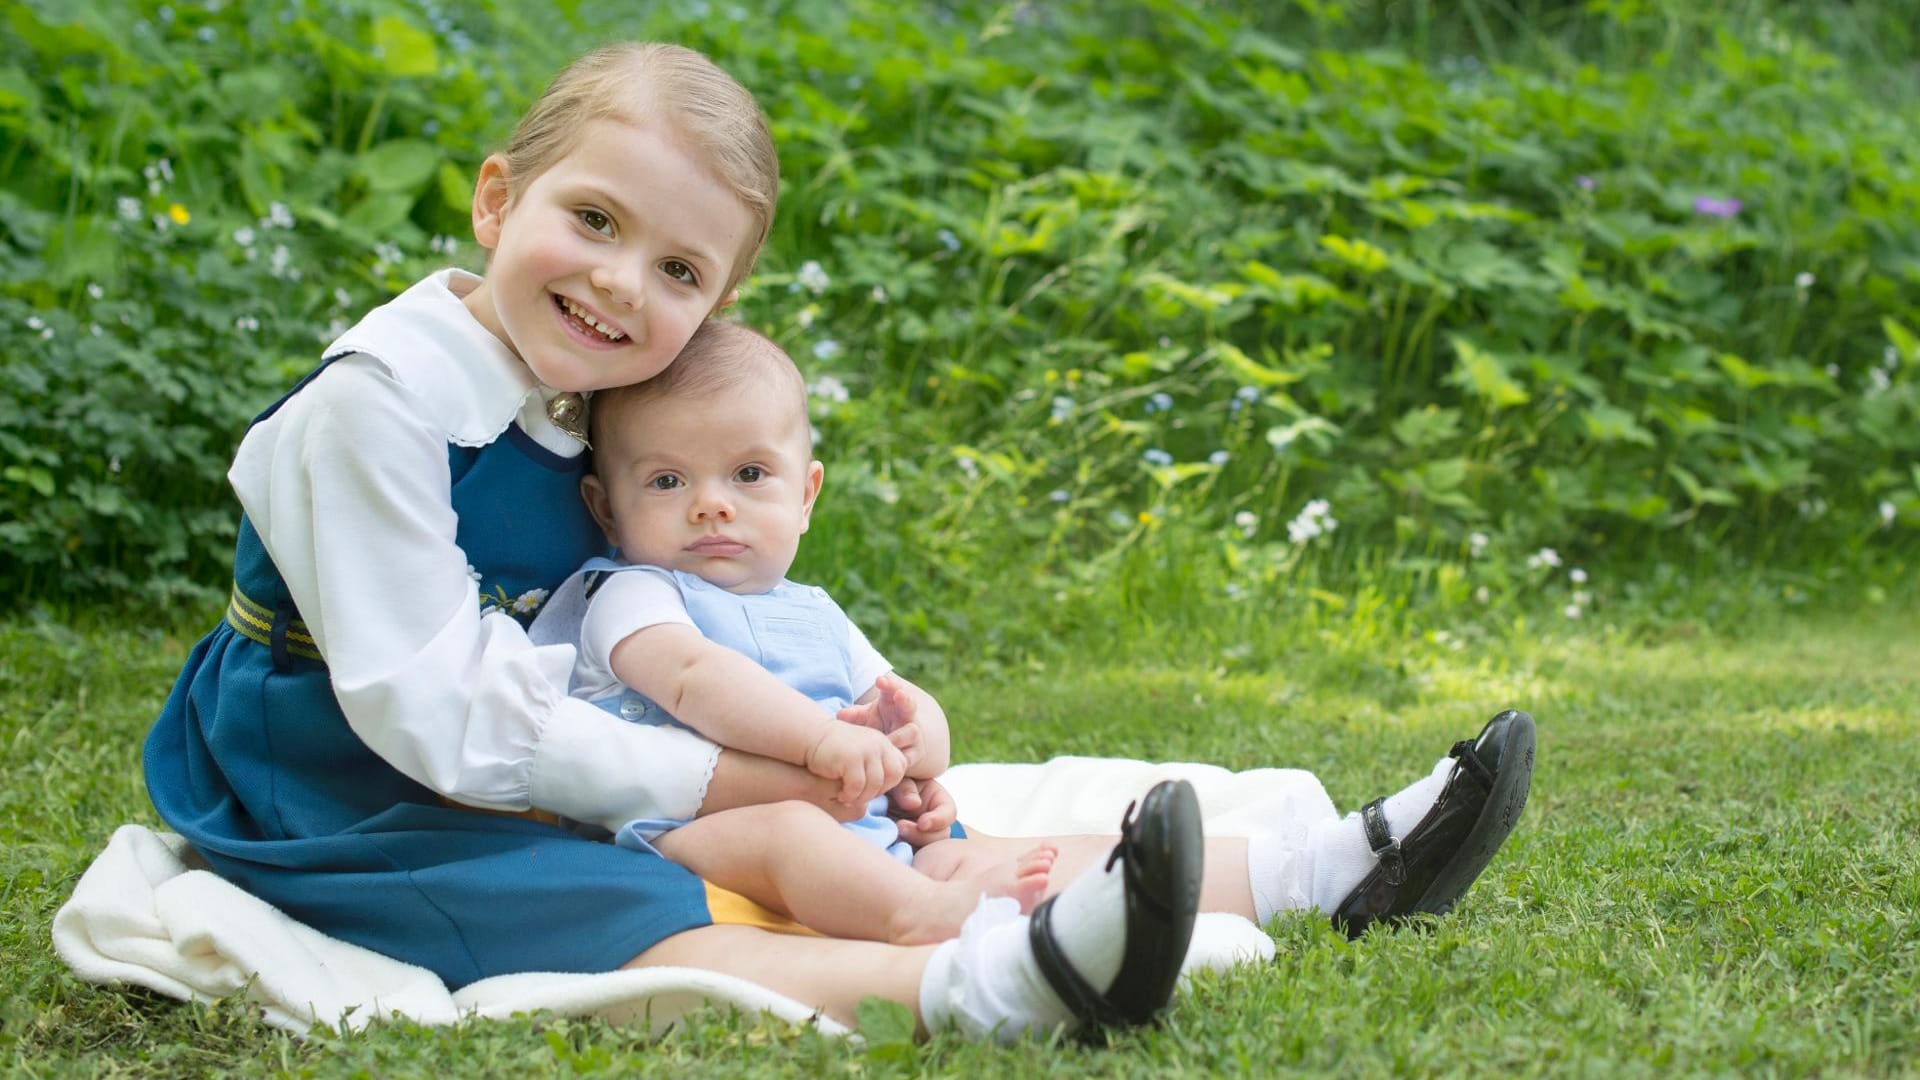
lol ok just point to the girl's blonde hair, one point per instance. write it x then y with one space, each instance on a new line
632 81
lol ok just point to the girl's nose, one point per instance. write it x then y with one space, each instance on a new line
621 283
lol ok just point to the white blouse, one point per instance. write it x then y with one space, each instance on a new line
349 488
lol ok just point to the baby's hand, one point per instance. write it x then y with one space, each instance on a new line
864 761
890 708
923 810
892 712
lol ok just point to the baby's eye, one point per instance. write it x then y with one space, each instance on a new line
680 271
595 220
664 482
750 474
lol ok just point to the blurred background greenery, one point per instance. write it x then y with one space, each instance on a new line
1162 315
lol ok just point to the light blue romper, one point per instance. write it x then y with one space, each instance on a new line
796 632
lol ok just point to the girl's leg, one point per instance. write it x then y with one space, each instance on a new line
1005 974
795 859
830 974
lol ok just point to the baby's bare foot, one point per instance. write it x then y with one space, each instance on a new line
948 903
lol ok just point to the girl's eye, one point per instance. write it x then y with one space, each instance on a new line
750 474
664 482
597 221
680 272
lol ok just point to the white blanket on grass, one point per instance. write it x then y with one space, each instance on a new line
143 915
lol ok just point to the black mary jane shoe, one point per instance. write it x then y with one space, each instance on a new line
1430 868
1162 854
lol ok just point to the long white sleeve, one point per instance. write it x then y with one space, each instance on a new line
348 486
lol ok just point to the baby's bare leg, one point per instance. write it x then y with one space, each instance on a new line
1225 887
793 858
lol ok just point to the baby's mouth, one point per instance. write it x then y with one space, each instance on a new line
584 319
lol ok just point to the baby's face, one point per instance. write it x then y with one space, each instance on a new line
719 486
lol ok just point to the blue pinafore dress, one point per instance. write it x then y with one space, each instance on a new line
252 761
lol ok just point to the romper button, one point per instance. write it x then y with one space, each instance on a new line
631 709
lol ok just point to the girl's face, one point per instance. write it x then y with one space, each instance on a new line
604 265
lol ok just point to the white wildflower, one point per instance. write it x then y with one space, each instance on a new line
812 278
828 387
1247 522
35 322
278 216
1887 514
969 466
826 349
1477 544
1058 495
1572 611
1218 458
243 236
1543 557
1483 594
1315 519
879 295
1577 576
129 207
1803 280
94 290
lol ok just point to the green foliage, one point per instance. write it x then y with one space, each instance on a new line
1611 278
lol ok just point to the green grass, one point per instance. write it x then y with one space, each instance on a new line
1716 874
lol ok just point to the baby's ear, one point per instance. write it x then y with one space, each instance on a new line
491 193
600 506
816 474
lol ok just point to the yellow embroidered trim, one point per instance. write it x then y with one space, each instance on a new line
255 622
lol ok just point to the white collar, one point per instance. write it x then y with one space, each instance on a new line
471 382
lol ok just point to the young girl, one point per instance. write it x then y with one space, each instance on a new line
336 745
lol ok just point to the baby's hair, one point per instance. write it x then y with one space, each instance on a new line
634 81
719 357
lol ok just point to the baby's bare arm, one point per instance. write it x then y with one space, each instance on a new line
740 705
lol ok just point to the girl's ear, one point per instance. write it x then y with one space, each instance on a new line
600 506
816 473
491 192
727 301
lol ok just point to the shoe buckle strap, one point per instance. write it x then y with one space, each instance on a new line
1373 818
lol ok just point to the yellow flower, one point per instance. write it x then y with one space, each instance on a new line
179 214
1146 517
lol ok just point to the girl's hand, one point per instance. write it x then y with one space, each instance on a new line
923 810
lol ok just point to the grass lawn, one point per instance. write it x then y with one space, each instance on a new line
1716 874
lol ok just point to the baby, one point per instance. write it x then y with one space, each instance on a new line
704 479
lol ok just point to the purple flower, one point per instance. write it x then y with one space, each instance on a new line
1720 208
1585 183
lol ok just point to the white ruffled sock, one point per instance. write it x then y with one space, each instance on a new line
1288 873
986 982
